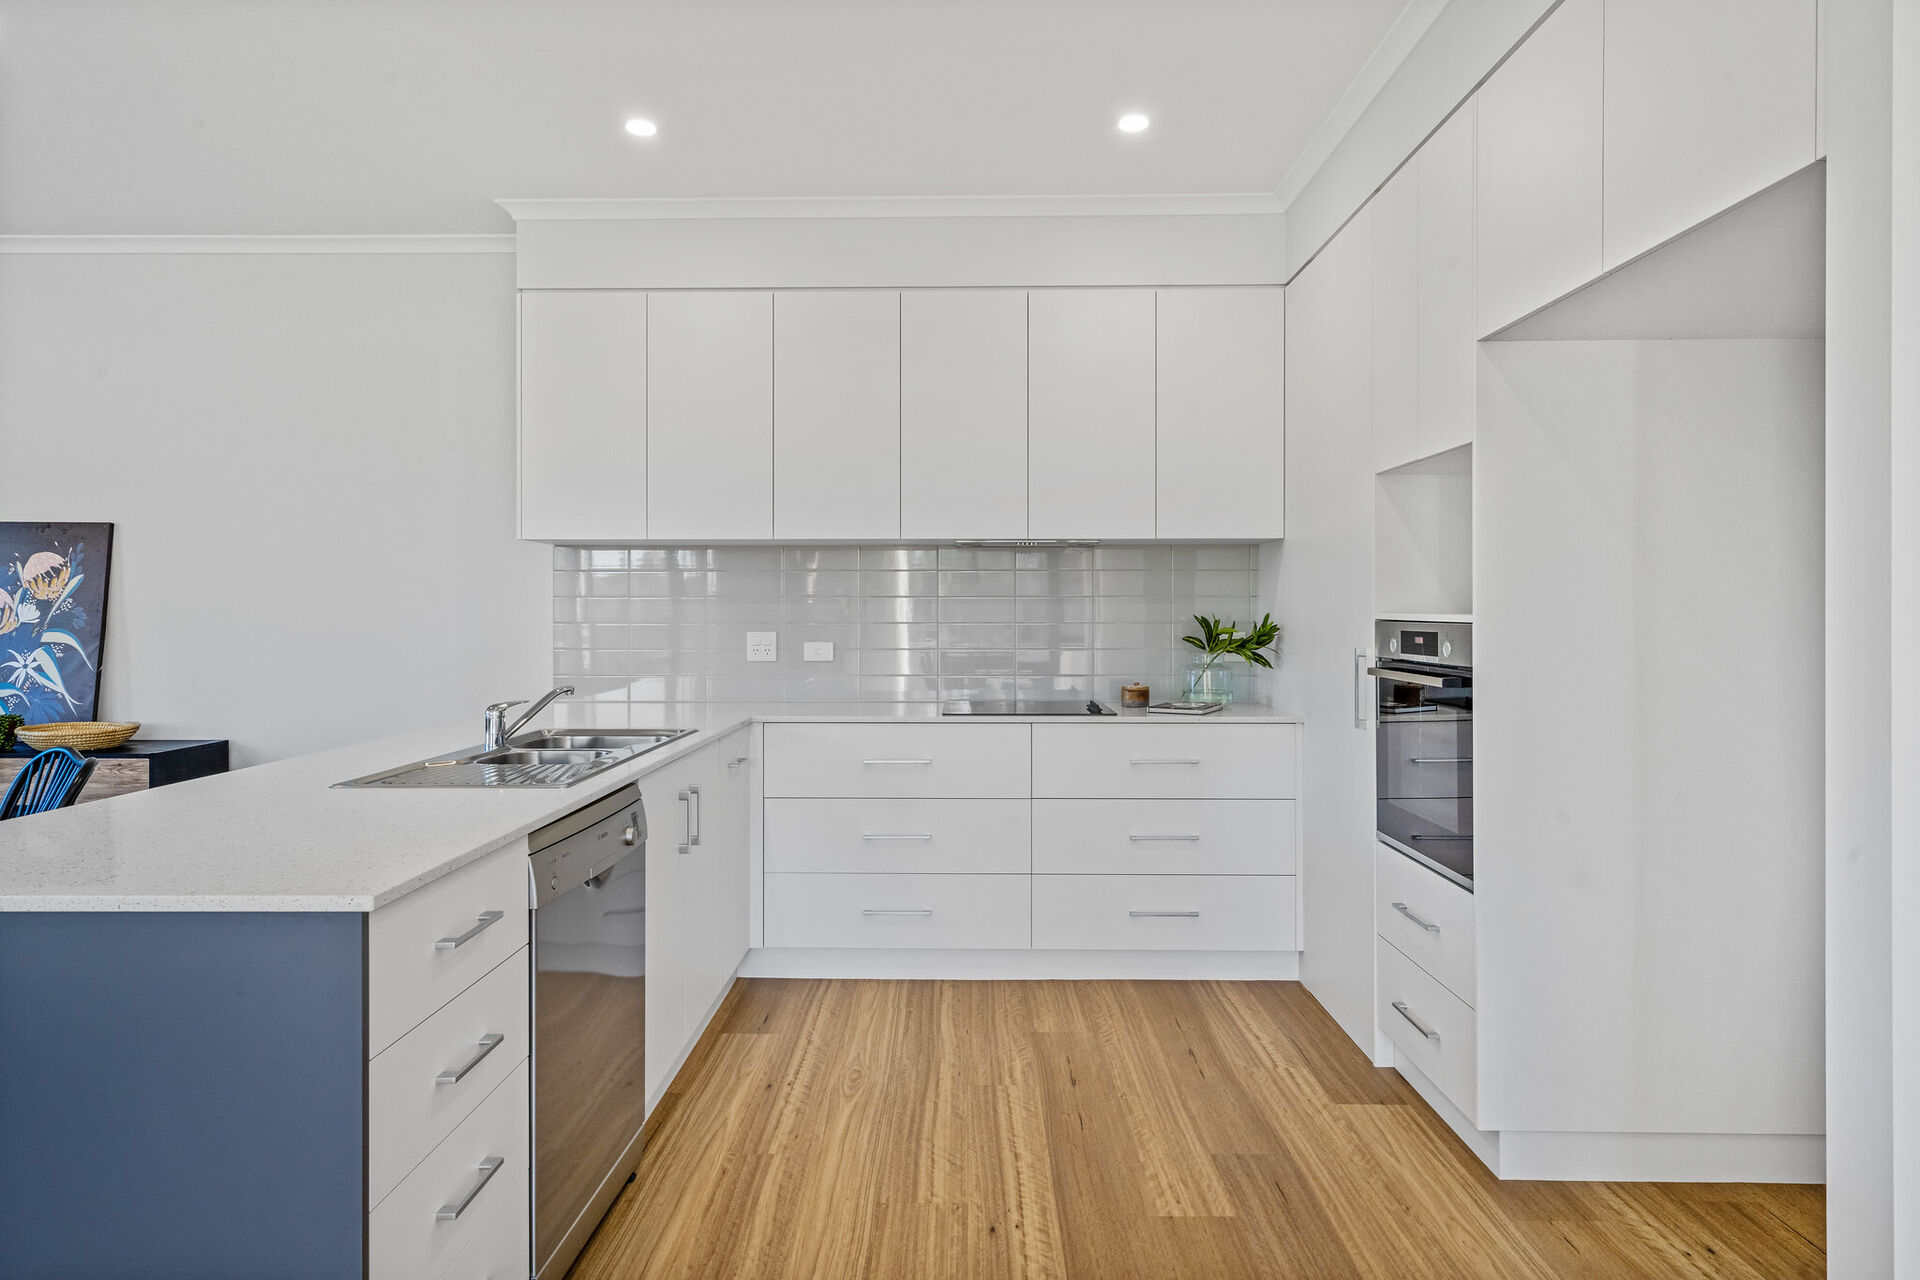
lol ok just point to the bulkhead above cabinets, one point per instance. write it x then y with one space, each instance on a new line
817 415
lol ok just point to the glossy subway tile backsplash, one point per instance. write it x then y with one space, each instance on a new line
635 628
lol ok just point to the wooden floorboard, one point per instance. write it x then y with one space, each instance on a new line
1114 1131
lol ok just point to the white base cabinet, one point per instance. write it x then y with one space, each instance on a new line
1101 837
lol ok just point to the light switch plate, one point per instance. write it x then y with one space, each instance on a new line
816 651
763 646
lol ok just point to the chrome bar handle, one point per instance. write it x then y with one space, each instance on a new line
699 815
928 760
454 1075
1400 1007
879 836
1187 839
1365 693
686 814
736 763
1173 915
486 1169
486 921
1164 760
908 911
1428 925
1440 760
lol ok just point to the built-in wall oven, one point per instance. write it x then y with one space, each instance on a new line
589 898
1423 790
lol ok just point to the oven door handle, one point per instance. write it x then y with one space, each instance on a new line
1409 677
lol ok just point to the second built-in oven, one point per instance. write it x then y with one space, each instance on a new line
1423 790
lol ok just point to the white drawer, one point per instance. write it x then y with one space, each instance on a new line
897 760
409 1107
1164 837
431 945
502 1249
1428 919
1430 1026
971 836
406 1238
1164 913
1174 761
897 911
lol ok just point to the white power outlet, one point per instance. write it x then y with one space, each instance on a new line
763 646
816 651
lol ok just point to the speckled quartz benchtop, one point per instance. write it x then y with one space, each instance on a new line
278 837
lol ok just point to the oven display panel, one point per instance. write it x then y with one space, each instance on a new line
1420 644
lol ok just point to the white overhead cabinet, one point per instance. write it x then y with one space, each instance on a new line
583 414
924 415
963 413
1539 173
1707 102
710 416
1447 363
1090 431
836 415
1220 392
1394 254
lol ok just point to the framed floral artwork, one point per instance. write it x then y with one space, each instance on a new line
53 617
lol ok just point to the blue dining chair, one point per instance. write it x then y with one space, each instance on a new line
51 780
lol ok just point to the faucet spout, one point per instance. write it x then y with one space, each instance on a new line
499 732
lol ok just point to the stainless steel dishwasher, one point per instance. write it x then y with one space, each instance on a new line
589 898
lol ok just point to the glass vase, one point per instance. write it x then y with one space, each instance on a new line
1209 681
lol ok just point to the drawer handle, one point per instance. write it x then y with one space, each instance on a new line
486 1169
1188 839
878 836
454 1075
1440 759
1400 1007
1164 760
906 911
486 921
928 760
1428 925
737 762
1177 915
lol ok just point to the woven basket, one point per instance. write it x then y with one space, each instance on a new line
81 735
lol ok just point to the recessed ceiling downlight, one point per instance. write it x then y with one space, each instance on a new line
640 128
1134 122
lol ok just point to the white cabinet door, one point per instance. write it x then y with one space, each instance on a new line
1090 413
1221 393
726 843
1328 559
1447 368
1539 168
963 413
677 910
583 414
836 415
709 416
1395 254
1707 102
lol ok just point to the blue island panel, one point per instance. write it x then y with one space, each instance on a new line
182 1095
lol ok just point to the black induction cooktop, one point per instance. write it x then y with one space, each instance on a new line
1038 707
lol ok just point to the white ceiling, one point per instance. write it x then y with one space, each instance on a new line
396 116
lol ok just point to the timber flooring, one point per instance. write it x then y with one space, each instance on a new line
1111 1130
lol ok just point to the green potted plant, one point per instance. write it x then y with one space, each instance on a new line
1209 679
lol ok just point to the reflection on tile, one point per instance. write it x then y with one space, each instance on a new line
976 557
977 609
977 635
971 583
899 557
1053 608
900 609
820 558
820 582
898 582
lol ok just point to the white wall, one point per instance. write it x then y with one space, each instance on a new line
309 461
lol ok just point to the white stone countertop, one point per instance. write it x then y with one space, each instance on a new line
280 837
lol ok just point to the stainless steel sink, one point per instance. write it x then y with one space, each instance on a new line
550 758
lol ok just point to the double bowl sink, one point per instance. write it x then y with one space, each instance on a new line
550 758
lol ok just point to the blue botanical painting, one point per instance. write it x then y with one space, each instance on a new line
53 614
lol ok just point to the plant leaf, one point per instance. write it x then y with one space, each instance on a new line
62 637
